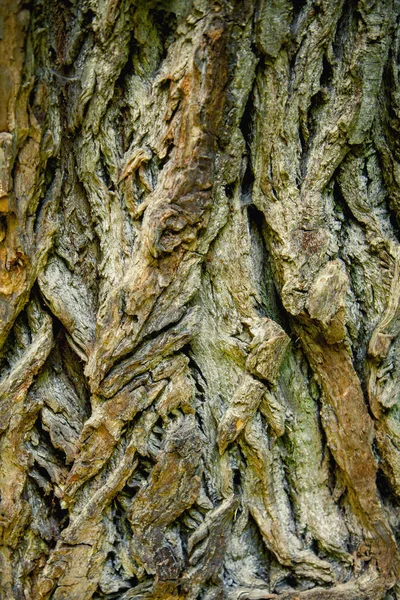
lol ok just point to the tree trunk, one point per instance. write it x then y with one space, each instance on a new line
199 299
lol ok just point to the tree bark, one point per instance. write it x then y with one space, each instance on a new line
199 299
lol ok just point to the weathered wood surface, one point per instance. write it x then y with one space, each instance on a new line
199 299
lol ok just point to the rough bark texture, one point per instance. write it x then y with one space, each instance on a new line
199 299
